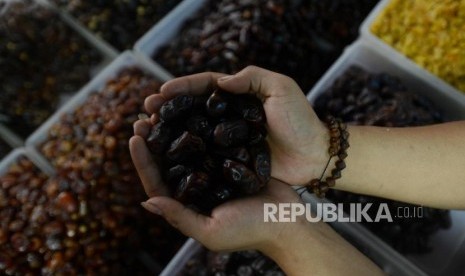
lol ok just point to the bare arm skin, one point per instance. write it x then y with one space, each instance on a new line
422 165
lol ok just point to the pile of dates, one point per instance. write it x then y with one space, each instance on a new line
87 217
361 98
300 39
40 59
119 22
211 148
242 263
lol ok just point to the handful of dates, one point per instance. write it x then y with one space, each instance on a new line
211 148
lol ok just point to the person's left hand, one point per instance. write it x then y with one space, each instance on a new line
235 225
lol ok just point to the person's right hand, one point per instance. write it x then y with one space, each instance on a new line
297 138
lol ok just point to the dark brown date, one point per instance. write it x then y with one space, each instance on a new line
251 109
176 108
192 186
240 154
241 177
185 147
217 104
204 145
199 126
230 134
159 138
261 162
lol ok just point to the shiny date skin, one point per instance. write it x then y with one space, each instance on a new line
212 148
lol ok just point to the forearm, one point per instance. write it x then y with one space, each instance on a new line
422 165
315 249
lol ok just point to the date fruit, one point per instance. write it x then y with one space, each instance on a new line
211 148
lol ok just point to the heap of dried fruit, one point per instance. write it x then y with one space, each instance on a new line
87 218
300 39
119 22
247 263
40 58
212 148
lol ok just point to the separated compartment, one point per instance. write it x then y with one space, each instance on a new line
297 38
117 24
86 142
425 34
43 62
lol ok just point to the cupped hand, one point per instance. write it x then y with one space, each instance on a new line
235 225
297 138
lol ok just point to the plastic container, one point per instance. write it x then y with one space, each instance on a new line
366 34
178 262
98 43
96 84
5 148
10 137
126 59
167 28
447 244
12 158
73 19
78 73
376 60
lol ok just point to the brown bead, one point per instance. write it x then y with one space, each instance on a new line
345 135
333 140
342 155
336 173
331 120
334 133
330 181
324 187
344 145
340 164
332 151
315 183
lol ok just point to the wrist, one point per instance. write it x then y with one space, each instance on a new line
317 154
307 248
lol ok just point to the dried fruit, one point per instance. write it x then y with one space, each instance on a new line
211 149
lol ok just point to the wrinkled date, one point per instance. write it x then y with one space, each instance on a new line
231 263
212 149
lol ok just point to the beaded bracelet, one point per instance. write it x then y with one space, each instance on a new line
338 147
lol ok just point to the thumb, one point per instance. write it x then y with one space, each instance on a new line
187 221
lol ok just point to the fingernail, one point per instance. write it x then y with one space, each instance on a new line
152 208
225 78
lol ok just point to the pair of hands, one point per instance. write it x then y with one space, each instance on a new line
297 139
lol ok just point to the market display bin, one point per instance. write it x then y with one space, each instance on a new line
8 141
38 138
177 264
100 44
118 36
58 80
376 42
167 28
126 59
445 259
17 153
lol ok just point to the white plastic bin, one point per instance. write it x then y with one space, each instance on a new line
167 28
376 42
126 59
